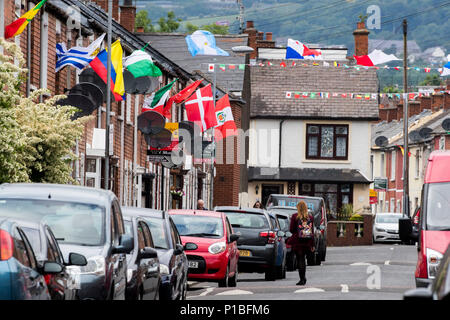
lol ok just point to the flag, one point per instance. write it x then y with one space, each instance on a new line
297 50
78 57
288 94
140 64
17 27
242 67
283 64
200 108
225 121
203 42
446 70
403 151
157 100
374 58
99 65
211 67
427 70
222 67
180 97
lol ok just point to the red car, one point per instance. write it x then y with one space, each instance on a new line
210 244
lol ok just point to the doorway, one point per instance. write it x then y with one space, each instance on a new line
268 189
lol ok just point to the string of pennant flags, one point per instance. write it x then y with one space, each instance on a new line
359 96
285 64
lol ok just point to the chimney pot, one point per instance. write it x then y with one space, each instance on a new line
269 36
140 29
250 24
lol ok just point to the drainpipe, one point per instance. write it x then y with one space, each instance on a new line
279 143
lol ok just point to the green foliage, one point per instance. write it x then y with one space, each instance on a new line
391 89
356 217
169 24
432 80
213 28
142 20
36 138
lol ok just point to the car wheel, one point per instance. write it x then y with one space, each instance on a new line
290 262
224 282
317 258
310 259
232 282
281 269
270 274
184 293
324 253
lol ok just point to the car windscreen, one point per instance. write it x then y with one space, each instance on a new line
198 226
286 201
248 220
71 222
438 206
388 218
158 230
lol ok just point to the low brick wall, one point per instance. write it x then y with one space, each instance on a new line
345 233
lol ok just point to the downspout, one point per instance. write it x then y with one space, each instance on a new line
279 143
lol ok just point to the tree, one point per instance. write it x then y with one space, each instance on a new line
213 28
391 89
170 24
37 139
142 20
432 80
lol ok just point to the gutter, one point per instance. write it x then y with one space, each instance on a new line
279 142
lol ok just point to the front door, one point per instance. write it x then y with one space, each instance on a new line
267 190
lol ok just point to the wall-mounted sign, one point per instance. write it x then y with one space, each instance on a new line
380 184
373 196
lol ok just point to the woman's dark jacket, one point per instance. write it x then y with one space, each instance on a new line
300 246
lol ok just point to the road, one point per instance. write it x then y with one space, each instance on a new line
378 272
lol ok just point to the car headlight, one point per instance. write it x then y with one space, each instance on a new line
380 229
163 269
217 247
95 265
433 259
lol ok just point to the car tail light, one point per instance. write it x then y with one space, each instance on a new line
6 245
270 235
48 278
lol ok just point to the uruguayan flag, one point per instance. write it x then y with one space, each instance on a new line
203 42
446 71
78 57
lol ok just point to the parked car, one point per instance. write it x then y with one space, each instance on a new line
284 215
434 223
143 279
21 276
61 286
439 288
258 242
210 245
282 248
84 220
385 227
173 263
316 206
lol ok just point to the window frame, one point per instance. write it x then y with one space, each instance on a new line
319 141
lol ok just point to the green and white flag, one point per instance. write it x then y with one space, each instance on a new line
140 64
158 99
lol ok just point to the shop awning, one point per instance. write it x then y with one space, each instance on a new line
307 174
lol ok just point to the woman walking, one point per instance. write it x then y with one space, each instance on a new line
302 239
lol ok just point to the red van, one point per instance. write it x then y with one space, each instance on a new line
434 221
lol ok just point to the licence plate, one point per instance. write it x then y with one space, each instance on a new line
193 264
244 253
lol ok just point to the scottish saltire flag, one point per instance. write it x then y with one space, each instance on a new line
446 70
203 42
297 50
78 57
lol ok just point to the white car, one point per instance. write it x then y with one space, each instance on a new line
385 227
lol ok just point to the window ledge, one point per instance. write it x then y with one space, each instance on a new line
326 161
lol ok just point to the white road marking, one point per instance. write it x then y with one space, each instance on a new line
344 288
392 248
204 293
361 264
309 290
233 292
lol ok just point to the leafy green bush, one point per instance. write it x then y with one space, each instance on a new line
356 217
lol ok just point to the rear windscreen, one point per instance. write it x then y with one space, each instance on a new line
285 201
248 220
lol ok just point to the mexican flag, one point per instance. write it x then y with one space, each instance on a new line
140 64
157 100
20 24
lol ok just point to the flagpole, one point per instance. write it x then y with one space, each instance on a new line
108 96
211 196
28 88
405 124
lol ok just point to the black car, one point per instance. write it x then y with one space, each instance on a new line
84 220
261 245
439 289
61 285
173 263
143 279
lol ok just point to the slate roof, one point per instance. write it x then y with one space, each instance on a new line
269 85
173 46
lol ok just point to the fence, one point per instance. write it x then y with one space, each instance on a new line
350 233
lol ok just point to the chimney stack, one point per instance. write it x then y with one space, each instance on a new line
128 15
251 31
115 7
361 35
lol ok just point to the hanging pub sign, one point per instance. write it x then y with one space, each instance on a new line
380 184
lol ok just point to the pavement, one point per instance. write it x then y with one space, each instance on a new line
378 272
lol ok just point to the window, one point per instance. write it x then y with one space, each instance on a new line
327 142
382 171
392 207
399 206
393 164
20 251
417 164
147 235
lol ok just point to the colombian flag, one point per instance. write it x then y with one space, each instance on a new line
100 63
20 24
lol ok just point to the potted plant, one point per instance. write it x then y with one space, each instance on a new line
177 194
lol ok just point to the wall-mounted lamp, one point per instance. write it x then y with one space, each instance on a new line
257 189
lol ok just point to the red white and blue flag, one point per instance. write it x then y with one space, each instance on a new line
200 108
297 50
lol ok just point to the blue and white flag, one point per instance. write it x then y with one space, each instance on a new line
446 70
203 42
78 57
297 50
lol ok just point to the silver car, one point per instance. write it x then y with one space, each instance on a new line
385 227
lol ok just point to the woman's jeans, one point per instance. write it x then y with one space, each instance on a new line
301 264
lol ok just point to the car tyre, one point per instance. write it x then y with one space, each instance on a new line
232 282
224 282
317 258
270 275
281 270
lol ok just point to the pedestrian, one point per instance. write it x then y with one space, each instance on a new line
258 205
201 205
302 239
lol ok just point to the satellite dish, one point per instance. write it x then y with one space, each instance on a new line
129 82
89 90
425 132
188 126
381 141
146 85
446 124
151 122
89 75
160 140
85 105
414 136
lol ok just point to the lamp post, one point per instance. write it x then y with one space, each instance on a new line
108 96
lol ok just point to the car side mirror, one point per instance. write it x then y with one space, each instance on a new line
52 267
418 294
288 234
234 237
405 229
147 253
178 249
76 259
126 245
280 233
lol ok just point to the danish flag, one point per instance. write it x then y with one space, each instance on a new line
200 108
